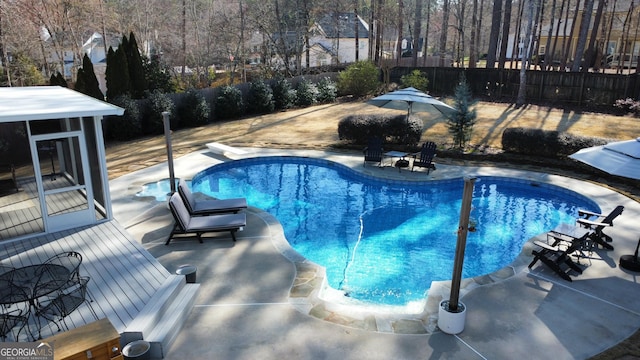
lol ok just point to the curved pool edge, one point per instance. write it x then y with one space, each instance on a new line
307 286
309 276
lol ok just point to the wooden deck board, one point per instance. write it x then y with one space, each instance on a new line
124 276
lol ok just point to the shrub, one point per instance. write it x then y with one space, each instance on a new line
284 96
415 79
125 127
359 79
629 105
158 102
306 93
192 110
260 98
461 122
229 103
327 90
549 143
394 129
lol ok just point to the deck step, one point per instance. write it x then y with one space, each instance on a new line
166 331
154 310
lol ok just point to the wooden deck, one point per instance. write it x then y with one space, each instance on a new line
124 276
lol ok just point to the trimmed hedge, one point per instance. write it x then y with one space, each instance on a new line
393 129
550 143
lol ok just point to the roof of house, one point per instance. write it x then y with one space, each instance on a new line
342 25
50 102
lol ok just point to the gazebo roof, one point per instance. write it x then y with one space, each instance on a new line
50 102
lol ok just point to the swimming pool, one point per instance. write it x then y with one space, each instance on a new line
384 241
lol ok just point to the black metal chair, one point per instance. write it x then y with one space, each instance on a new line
65 303
71 260
11 319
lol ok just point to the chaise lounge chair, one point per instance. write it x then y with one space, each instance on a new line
185 223
598 222
208 207
555 256
373 152
425 157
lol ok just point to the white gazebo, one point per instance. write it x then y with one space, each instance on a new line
52 161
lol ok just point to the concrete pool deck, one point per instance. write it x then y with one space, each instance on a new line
247 307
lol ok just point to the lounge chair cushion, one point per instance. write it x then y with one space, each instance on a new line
204 207
185 223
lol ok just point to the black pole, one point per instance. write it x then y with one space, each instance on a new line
167 136
463 228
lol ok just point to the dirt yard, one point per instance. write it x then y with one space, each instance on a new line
316 128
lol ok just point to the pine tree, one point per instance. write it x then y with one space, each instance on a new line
117 73
464 118
87 81
136 70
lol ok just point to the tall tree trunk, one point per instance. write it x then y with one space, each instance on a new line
443 33
417 29
552 52
591 49
494 35
372 23
379 29
400 26
522 88
537 29
356 28
548 57
184 37
506 24
610 27
566 43
425 44
582 36
473 41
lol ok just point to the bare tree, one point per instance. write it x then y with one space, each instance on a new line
494 36
443 33
417 30
582 36
506 25
473 41
522 88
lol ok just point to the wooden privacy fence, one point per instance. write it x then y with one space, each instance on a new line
549 87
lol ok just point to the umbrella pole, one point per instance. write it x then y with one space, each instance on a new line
463 226
167 136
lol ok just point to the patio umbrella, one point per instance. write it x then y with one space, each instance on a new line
621 158
411 99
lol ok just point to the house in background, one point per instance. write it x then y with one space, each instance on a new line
333 39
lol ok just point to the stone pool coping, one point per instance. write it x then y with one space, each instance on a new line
307 288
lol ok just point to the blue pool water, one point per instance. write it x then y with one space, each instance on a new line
385 241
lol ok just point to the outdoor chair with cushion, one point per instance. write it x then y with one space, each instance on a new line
557 256
424 158
598 222
208 207
374 151
185 223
